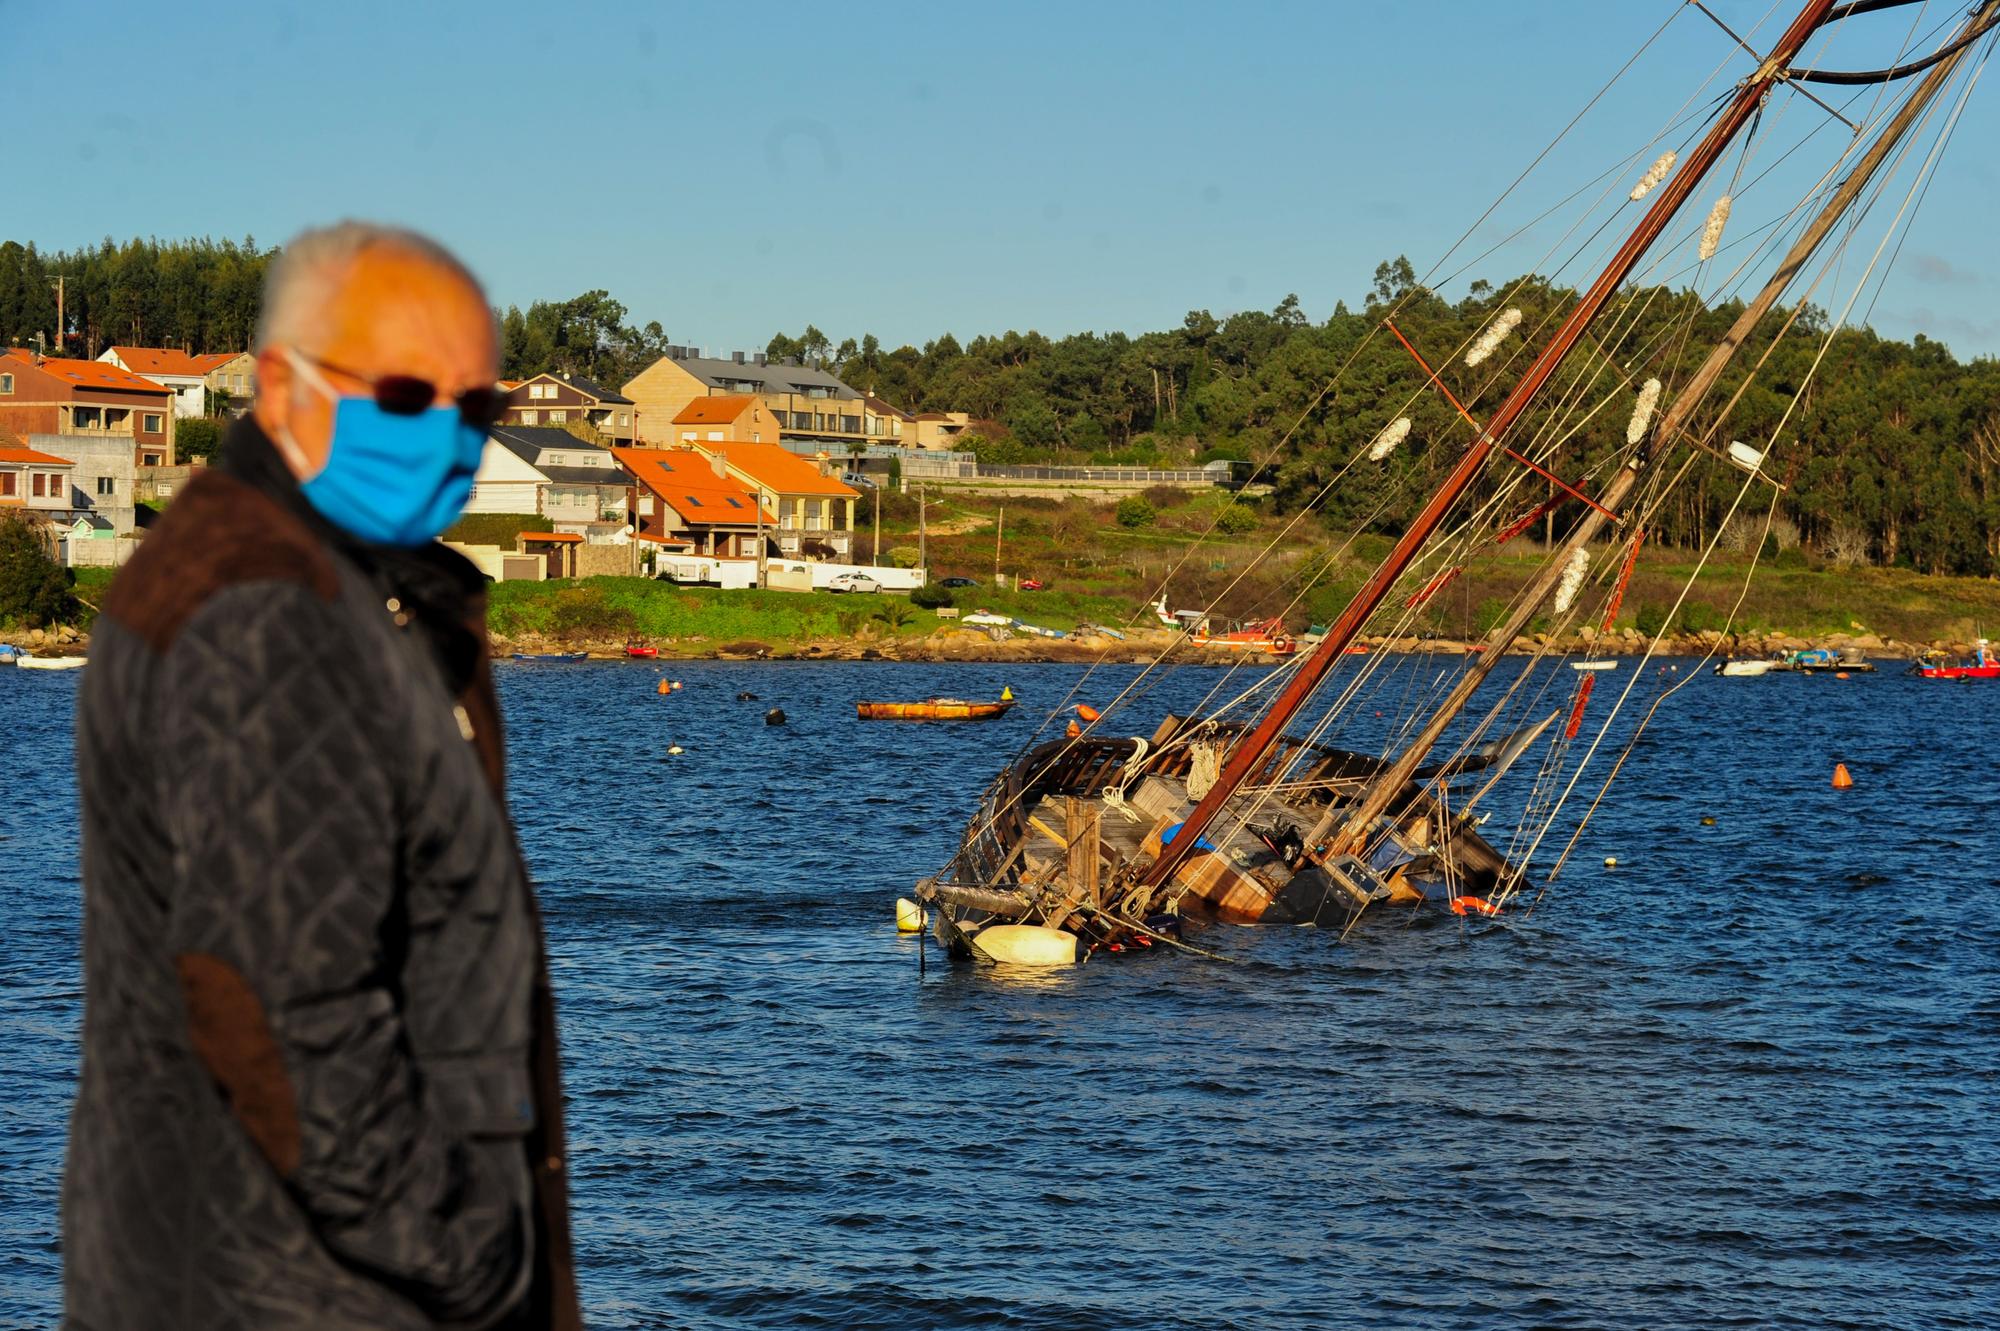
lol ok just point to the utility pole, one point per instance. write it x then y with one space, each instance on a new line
763 567
923 531
62 329
877 557
999 530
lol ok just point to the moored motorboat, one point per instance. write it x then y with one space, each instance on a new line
551 656
1746 668
932 709
640 649
51 662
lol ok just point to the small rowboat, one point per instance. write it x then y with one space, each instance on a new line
932 709
50 662
551 656
645 651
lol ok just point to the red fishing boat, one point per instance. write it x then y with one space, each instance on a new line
1984 665
640 648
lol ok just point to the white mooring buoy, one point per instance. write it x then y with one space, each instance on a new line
909 916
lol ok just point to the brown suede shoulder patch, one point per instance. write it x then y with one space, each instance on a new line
233 1040
219 533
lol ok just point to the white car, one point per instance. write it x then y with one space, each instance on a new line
854 582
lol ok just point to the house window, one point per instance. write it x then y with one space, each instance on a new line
6 482
107 485
756 436
715 436
6 383
734 502
624 418
555 459
153 424
693 502
37 483
149 459
530 417
558 417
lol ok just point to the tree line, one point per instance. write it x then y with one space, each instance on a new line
1891 455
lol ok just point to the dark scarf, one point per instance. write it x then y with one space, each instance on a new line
442 589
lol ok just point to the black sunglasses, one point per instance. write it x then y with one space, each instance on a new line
407 395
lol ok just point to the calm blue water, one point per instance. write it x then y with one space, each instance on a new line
1746 1079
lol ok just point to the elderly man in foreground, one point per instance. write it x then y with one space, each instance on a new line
319 1082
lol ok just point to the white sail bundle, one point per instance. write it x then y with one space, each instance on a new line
1392 436
1572 581
1642 411
1711 234
1654 175
1496 333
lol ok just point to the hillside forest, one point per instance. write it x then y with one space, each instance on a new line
1891 455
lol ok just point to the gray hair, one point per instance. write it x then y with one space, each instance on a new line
307 272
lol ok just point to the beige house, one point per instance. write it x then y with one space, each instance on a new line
815 510
231 380
733 418
940 430
812 407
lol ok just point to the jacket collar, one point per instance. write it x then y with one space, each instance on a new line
443 588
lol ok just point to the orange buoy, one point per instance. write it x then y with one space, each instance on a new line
664 688
1841 779
1840 674
1072 730
1473 906
1087 712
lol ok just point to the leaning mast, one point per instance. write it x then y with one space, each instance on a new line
1249 753
1360 817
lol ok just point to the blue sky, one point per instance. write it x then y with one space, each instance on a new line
731 170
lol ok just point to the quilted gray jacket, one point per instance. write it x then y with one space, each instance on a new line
319 1069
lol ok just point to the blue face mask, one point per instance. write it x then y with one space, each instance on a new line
389 479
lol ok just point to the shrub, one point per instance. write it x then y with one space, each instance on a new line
1135 512
34 588
1235 520
582 612
198 437
904 556
931 596
895 612
1650 619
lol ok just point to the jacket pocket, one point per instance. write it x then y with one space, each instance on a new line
483 1094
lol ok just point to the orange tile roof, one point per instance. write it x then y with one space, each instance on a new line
215 360
567 537
665 540
100 374
21 353
778 469
689 485
163 360
714 410
33 457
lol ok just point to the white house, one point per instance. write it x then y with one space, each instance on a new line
187 376
578 487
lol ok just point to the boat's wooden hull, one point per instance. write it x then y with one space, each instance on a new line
931 711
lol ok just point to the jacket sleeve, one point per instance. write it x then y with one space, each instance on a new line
283 828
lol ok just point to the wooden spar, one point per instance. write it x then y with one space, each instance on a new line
1249 753
1382 792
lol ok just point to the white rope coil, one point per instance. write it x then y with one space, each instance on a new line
1496 333
1654 175
1572 581
1204 766
1642 411
1711 234
1392 436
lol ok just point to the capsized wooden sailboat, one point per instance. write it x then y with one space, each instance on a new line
1246 813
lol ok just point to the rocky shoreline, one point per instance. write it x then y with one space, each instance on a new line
1146 646
1141 646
